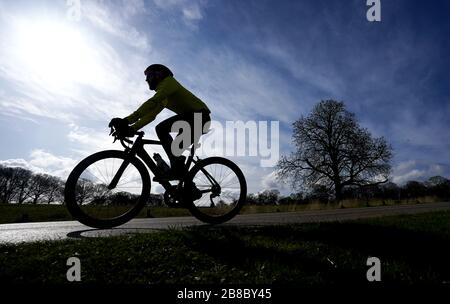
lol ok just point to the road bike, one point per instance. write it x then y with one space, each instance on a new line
109 188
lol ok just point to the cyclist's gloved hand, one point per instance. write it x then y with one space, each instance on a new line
128 131
118 123
121 128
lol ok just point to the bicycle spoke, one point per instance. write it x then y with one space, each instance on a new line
217 202
92 174
101 203
203 179
223 180
220 174
229 184
98 170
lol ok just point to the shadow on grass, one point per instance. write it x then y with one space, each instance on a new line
412 249
94 233
329 252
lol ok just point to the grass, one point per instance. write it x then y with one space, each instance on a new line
11 213
412 248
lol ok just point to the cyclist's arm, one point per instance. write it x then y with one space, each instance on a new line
147 112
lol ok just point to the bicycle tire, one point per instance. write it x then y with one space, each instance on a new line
70 193
195 210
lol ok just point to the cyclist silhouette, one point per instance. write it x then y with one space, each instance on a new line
172 95
110 187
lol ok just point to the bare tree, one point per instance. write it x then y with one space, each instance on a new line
54 189
268 197
38 187
22 191
85 191
10 180
415 189
19 185
334 151
436 181
5 184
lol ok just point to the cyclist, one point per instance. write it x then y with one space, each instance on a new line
172 95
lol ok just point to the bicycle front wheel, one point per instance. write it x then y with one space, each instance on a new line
215 190
96 200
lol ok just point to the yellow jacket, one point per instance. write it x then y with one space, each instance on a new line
169 94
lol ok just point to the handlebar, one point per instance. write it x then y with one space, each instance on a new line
140 134
127 141
124 140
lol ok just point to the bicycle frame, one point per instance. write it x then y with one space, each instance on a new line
137 149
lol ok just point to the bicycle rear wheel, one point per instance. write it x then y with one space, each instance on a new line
215 190
89 198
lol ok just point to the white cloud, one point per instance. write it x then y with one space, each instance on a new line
21 163
237 89
102 83
323 76
192 11
44 162
417 170
51 164
113 19
270 182
133 8
88 141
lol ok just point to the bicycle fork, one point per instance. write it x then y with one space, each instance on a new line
131 153
118 174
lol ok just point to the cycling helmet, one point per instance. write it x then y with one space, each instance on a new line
155 73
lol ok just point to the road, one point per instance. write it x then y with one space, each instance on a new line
31 232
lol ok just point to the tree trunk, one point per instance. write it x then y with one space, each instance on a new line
338 193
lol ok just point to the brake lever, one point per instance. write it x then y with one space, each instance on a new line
112 132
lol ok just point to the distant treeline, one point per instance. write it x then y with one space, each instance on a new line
22 186
436 186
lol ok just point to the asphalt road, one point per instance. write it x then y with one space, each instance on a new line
30 232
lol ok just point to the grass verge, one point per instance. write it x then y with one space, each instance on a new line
11 213
412 249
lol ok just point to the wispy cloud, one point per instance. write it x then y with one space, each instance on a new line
191 10
87 87
45 163
418 170
246 59
113 18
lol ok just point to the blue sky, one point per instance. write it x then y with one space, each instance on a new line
62 80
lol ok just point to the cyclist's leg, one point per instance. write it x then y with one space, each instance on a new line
164 128
195 133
